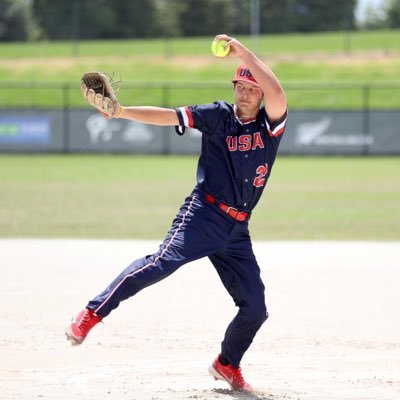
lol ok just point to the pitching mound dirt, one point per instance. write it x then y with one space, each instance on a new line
333 331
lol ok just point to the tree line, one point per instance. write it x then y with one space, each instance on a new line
22 20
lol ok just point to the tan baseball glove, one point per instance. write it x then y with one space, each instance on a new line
97 89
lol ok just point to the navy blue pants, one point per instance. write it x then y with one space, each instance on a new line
201 229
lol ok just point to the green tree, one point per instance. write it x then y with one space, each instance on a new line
66 19
135 18
306 15
393 14
241 16
321 15
16 21
374 18
167 15
206 17
275 16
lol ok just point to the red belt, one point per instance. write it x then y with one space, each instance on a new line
231 211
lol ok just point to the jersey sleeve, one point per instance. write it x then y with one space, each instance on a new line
204 117
276 128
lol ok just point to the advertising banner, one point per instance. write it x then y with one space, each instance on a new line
87 131
31 131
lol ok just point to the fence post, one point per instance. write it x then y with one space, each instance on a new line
166 131
255 24
366 116
65 118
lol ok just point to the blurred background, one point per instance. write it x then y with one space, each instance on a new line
338 61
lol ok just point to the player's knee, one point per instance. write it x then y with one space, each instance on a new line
258 315
263 316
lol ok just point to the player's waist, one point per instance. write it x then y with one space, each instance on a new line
233 212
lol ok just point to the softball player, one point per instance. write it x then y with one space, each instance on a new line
239 146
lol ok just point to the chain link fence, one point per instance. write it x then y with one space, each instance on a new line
323 119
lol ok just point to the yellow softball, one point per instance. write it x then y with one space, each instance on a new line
218 48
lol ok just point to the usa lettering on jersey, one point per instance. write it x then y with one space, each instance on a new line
245 142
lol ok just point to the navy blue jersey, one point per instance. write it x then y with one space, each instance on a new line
236 156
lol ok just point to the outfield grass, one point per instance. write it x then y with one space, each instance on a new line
307 65
132 197
273 44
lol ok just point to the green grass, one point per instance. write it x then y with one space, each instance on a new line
270 44
137 197
307 64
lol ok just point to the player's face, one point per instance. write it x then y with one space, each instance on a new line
248 97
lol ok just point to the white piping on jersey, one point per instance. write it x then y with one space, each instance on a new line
238 119
184 116
277 128
149 264
275 132
244 123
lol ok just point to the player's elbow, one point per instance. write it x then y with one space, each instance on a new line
276 107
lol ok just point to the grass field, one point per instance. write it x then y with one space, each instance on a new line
317 60
330 42
137 197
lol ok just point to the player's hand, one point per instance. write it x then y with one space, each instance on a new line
237 48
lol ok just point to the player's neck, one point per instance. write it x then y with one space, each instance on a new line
246 115
242 116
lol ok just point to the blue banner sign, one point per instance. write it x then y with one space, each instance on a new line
25 130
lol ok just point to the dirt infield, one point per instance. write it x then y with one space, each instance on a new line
333 331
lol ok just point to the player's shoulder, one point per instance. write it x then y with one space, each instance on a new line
225 109
217 110
219 105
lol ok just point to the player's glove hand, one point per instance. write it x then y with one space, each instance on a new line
97 89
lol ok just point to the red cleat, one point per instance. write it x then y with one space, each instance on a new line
231 375
80 326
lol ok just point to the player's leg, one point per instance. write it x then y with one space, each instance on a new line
195 233
240 274
244 284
